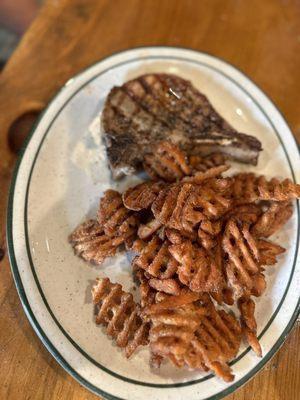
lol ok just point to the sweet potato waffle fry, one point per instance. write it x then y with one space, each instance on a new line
247 307
166 162
214 204
247 188
223 294
184 206
115 218
174 321
147 294
268 251
91 243
197 268
270 221
156 259
117 311
141 197
190 331
218 340
242 267
199 239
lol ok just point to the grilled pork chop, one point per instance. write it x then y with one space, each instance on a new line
157 107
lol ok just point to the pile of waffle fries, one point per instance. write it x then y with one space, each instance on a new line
201 242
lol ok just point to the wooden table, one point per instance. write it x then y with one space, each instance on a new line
262 38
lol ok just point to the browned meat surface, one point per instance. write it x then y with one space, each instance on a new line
157 107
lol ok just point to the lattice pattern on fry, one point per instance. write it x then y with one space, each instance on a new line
218 340
166 162
167 200
184 206
276 215
173 322
192 332
116 310
242 267
197 268
91 243
141 196
247 308
115 218
156 259
247 187
213 204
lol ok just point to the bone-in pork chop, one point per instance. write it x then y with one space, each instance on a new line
157 107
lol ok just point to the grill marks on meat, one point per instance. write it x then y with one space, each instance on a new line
157 107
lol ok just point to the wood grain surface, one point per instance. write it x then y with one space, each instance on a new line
262 38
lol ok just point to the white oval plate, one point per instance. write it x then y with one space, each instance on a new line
57 184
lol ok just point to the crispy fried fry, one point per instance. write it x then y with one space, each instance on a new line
90 242
174 322
184 206
170 200
247 188
259 284
194 333
268 251
141 196
156 259
147 294
214 205
272 219
197 269
242 268
118 312
115 218
224 293
218 340
166 162
247 307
